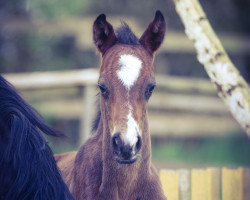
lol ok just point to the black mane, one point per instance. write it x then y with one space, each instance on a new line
125 35
28 168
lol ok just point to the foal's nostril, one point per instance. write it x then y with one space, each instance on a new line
116 141
126 151
138 145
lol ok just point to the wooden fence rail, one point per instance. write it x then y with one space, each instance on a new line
85 80
179 107
206 184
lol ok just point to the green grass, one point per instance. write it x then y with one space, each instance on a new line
231 150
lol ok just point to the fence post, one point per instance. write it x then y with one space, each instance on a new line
87 114
169 181
236 184
205 184
214 183
176 184
184 184
246 183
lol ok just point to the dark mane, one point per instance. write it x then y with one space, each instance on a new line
28 168
125 35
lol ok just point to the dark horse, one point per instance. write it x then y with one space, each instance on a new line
27 167
115 163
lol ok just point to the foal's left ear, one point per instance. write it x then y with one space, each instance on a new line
153 36
103 34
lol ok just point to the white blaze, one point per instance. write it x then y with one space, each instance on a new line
130 67
132 129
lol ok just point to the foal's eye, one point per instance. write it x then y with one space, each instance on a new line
104 91
149 91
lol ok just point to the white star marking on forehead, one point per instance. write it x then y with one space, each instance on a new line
130 67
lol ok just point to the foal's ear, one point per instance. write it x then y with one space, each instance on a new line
153 36
103 34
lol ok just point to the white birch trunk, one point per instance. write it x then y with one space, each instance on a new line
232 88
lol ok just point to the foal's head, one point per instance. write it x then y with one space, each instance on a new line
126 82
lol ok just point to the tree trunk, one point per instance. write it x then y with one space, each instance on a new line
232 88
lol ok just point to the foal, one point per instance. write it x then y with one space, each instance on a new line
115 163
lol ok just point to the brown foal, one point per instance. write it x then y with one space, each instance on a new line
115 163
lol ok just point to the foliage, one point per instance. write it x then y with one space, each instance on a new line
12 8
228 150
233 14
56 8
35 52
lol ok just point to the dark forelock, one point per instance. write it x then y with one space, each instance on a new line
125 35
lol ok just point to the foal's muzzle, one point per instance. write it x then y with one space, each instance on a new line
125 153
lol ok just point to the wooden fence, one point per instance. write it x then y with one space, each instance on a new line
83 80
179 106
206 184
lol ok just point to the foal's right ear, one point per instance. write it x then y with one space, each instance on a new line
103 34
154 34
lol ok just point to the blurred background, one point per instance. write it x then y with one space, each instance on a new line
190 126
